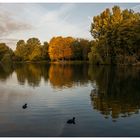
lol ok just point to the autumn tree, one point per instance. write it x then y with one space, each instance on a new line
60 48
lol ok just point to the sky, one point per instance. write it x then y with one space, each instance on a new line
46 20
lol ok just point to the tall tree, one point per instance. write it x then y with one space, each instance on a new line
116 34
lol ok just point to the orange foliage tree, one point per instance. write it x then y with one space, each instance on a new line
60 48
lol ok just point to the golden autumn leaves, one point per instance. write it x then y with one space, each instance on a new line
61 48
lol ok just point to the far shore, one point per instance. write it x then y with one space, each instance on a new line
53 62
72 62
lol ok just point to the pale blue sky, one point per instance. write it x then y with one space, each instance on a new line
22 21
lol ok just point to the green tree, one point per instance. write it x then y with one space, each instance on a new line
80 49
45 51
6 53
21 51
116 34
34 49
29 51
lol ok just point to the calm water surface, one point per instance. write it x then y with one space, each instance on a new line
104 100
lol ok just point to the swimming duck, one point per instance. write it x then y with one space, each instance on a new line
24 106
71 121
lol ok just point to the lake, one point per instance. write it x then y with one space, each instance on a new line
105 100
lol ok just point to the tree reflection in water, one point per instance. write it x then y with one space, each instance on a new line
117 88
5 71
59 75
117 91
62 76
31 73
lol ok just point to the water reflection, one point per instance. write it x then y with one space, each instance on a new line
117 92
62 76
32 73
5 71
59 76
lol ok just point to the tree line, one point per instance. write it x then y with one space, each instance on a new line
116 37
58 49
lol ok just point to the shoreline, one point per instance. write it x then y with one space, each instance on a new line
71 62
51 62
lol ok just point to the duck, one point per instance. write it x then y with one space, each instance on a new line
71 121
24 106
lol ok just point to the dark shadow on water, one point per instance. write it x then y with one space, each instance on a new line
5 71
117 92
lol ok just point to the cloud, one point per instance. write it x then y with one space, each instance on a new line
136 8
9 42
23 21
9 24
62 12
60 22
